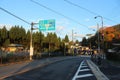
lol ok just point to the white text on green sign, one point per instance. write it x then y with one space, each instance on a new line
45 25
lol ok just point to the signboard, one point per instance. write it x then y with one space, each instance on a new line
45 25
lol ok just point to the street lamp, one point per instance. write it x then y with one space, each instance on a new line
101 20
73 33
102 27
98 39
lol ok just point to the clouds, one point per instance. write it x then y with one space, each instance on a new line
79 35
8 26
87 20
93 27
64 26
59 28
63 21
61 25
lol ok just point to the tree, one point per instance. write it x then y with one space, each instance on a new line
18 35
56 41
38 40
27 39
0 38
109 33
22 33
77 41
84 41
4 35
6 43
66 39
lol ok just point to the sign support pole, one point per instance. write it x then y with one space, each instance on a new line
31 46
51 24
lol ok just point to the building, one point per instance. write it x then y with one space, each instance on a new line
14 47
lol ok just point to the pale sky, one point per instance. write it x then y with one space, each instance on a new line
78 16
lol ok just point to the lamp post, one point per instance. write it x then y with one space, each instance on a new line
73 41
98 39
101 20
102 29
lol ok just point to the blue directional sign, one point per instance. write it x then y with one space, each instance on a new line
46 25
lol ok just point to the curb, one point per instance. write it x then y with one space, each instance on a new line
7 64
98 74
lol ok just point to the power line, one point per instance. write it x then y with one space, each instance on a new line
57 12
14 15
87 10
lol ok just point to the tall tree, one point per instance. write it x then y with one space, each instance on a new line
66 39
4 35
77 41
84 41
17 34
22 33
0 39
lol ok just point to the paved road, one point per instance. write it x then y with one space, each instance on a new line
70 69
20 67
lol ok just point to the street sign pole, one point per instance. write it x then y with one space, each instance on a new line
31 44
31 47
44 25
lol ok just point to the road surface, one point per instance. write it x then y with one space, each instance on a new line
69 69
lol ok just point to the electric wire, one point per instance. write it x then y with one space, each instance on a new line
69 2
58 13
14 15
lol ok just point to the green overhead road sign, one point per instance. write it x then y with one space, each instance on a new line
45 25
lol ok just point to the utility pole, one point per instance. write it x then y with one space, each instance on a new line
49 45
102 34
98 39
72 35
31 46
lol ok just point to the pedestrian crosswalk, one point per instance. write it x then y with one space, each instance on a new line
84 72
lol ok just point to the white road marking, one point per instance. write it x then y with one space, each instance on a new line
85 75
85 70
82 65
76 74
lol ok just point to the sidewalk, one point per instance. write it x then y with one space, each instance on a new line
112 71
18 68
98 74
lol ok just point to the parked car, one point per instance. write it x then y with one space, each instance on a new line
113 54
114 50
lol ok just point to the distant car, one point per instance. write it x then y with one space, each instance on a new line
114 50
